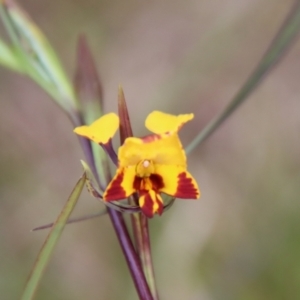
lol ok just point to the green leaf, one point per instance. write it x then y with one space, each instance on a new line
51 241
36 56
8 58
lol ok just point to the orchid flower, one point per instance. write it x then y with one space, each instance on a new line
150 165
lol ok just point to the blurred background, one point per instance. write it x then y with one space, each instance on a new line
242 239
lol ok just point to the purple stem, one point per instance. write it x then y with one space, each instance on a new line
109 150
130 255
117 219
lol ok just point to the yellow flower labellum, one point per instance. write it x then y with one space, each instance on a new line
159 122
100 131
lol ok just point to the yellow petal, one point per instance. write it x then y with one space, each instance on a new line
121 186
159 122
177 182
160 149
102 130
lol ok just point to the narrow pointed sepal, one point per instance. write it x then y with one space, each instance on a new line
125 125
86 81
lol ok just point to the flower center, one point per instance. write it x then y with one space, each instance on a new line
144 184
144 168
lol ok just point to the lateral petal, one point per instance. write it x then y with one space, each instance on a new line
121 186
150 203
178 182
159 122
102 130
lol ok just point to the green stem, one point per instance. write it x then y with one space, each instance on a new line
146 256
278 47
122 233
52 239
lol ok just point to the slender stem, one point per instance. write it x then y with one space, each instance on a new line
53 236
138 220
109 150
130 255
278 47
146 256
87 148
73 220
118 222
141 234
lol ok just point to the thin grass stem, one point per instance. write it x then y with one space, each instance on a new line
279 46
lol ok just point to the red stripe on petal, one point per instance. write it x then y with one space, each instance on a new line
186 187
115 191
146 205
137 183
155 182
151 203
159 202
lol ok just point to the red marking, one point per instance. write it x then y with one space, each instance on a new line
148 206
160 206
151 138
186 188
137 183
115 191
156 182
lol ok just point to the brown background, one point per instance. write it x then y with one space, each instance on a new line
241 240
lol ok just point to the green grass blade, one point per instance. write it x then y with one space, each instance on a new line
278 47
50 242
36 57
42 52
8 58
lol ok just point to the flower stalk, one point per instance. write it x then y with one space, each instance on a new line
138 220
89 91
126 244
